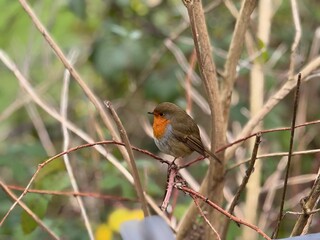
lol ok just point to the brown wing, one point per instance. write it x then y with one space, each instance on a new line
192 142
196 145
191 137
187 131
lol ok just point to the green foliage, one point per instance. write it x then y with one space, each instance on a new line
78 7
37 205
234 231
264 53
162 87
180 210
122 58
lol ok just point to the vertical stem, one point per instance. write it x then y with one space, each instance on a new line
212 185
234 53
248 173
131 162
293 124
257 82
66 142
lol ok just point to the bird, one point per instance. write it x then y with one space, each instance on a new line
176 133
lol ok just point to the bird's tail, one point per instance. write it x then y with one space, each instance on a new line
213 156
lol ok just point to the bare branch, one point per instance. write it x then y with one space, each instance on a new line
308 204
297 37
29 211
66 142
247 176
131 162
208 75
205 218
294 113
219 209
72 194
235 49
272 102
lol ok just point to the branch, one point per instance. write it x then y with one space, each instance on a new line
131 162
297 37
66 142
277 154
205 218
207 69
295 108
73 194
241 140
172 173
272 102
219 209
308 205
29 211
247 176
234 54
213 181
91 96
43 164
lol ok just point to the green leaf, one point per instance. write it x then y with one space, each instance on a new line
264 53
55 167
78 7
162 87
38 204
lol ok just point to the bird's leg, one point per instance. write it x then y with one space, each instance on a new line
172 164
173 161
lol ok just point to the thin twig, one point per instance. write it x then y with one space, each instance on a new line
297 37
219 209
299 179
71 126
53 113
198 159
40 128
187 81
182 61
209 78
24 99
247 176
272 102
256 101
73 194
303 213
277 154
234 53
89 93
268 205
294 115
131 162
66 142
172 173
29 211
196 96
266 131
43 164
205 218
307 204
244 181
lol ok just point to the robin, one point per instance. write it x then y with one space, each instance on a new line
176 133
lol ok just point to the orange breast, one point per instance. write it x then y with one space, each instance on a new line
159 126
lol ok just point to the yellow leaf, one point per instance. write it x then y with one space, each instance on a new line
136 214
120 215
103 232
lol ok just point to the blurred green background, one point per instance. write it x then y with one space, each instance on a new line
121 55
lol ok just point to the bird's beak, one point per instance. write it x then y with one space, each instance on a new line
150 113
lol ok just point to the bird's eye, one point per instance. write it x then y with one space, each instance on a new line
161 114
